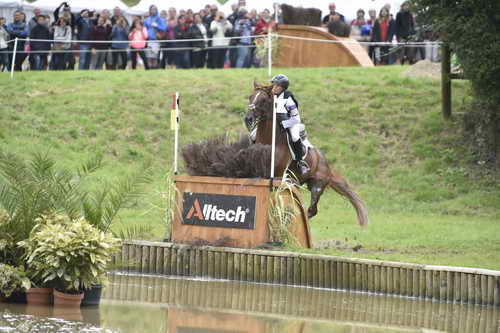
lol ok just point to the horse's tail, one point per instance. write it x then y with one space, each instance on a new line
341 186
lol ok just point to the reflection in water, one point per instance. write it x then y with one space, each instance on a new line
42 319
135 303
248 307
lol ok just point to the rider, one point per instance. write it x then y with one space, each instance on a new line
288 114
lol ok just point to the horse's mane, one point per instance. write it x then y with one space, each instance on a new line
266 89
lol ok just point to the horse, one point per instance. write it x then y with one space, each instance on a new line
259 115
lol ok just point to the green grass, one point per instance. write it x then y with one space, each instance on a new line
381 130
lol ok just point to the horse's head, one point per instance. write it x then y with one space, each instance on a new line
260 106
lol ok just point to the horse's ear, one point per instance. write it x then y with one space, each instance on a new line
256 84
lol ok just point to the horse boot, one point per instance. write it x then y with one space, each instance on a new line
299 151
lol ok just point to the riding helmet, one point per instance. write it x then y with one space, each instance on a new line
281 80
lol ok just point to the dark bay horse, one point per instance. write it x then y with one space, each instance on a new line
319 177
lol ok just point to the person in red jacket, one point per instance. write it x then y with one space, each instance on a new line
265 23
383 31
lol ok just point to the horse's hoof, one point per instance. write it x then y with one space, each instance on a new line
311 214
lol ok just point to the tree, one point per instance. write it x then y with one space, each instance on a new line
472 28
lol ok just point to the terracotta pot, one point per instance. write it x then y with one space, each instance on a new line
67 300
40 296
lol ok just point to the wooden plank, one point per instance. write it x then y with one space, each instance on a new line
313 278
230 266
173 261
464 288
243 266
263 269
297 270
371 278
345 275
257 261
270 269
436 284
383 279
496 291
328 274
166 260
289 270
159 260
276 270
428 284
152 259
250 266
145 259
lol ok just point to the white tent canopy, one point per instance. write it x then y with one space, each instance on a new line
142 7
347 8
77 5
7 8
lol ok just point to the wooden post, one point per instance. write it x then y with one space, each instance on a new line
446 80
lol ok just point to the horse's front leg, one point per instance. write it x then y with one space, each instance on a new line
316 187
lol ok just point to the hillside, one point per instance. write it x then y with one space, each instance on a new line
382 130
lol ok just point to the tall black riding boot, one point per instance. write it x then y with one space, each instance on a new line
299 151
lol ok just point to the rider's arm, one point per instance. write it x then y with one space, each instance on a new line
292 107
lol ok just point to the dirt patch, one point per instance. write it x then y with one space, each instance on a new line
424 69
326 244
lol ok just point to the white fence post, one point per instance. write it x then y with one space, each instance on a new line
13 60
269 54
273 145
177 125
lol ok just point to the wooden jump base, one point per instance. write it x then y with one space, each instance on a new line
201 198
305 53
214 298
451 284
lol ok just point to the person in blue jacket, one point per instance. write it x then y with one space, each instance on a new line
18 29
157 30
84 26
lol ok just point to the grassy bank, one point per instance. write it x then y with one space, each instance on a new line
382 130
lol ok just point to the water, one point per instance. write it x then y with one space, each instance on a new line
135 303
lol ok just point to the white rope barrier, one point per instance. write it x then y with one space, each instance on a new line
359 42
112 50
241 37
152 40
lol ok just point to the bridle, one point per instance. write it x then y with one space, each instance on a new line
252 108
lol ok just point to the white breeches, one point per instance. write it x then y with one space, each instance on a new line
295 132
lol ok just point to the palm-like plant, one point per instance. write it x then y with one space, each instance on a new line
32 188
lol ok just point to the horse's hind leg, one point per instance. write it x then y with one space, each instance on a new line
316 187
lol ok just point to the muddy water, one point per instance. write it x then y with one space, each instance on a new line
158 304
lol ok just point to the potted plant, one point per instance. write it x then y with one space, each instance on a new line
73 255
12 280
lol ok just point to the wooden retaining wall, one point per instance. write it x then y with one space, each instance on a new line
452 284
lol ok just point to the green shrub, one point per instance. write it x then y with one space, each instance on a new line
472 28
72 254
12 280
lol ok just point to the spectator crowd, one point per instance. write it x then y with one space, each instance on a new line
181 39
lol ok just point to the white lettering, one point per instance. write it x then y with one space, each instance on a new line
211 213
240 215
206 210
230 215
214 211
221 214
